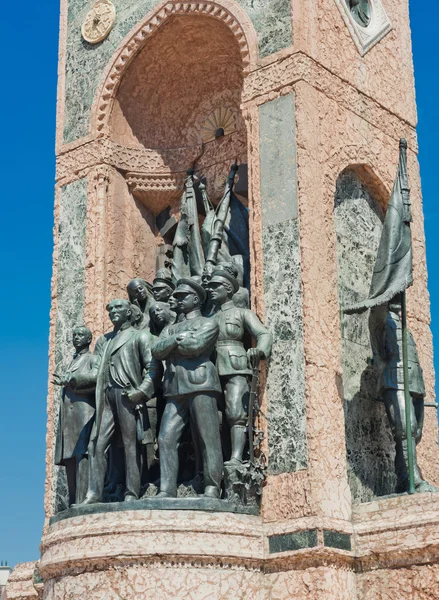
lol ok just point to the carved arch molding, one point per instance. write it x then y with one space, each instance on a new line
226 11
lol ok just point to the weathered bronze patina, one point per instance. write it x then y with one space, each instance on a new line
126 376
233 362
191 388
76 416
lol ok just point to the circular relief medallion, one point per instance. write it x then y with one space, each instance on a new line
98 22
361 11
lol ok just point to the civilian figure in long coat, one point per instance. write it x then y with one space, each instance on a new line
386 336
76 416
125 382
191 388
233 361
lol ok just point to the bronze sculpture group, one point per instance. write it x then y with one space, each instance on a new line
177 376
400 382
175 366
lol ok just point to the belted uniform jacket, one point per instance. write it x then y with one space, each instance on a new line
125 359
189 369
233 322
386 336
77 409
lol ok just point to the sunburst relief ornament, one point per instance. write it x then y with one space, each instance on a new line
219 123
98 22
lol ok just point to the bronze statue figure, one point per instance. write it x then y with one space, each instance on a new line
133 411
188 253
77 411
191 388
161 316
126 378
386 337
162 286
233 361
140 295
401 384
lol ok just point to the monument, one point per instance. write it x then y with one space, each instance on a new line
233 193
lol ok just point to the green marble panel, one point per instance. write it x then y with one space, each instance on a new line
70 294
369 445
286 410
289 542
336 539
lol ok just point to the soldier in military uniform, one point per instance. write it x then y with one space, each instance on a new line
191 388
76 416
162 286
232 359
386 336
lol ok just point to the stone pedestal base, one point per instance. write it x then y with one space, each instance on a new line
161 554
389 550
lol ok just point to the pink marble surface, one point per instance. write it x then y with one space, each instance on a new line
20 583
350 111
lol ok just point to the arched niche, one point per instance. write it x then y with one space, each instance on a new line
191 69
360 202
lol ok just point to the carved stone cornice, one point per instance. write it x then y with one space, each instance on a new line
103 150
140 182
280 77
159 164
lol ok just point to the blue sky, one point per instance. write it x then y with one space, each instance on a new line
28 45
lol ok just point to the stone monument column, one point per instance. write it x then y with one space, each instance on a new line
313 97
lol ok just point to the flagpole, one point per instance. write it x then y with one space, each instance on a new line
408 400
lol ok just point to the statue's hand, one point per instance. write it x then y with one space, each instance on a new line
61 380
254 355
57 379
134 396
182 337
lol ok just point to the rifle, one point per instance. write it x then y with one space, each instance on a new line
220 221
253 403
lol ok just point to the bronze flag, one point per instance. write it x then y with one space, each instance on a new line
188 259
393 271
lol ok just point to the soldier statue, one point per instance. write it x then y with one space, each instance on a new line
162 286
126 377
77 411
386 337
232 360
191 388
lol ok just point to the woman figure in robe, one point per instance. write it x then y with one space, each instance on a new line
140 294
